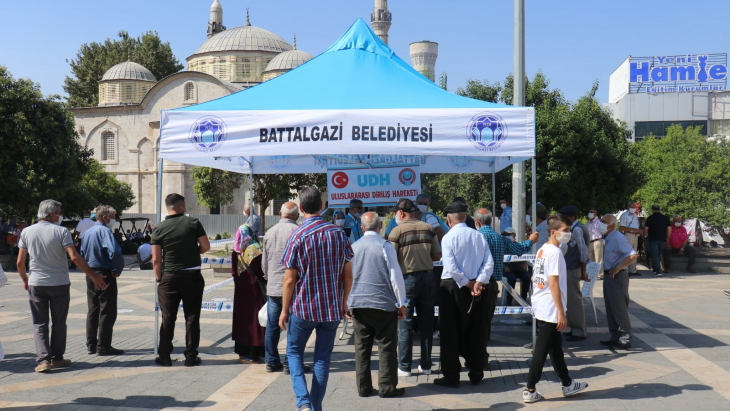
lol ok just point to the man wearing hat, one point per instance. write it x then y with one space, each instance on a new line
468 266
417 247
576 259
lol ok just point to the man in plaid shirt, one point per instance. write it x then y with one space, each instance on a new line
499 245
317 282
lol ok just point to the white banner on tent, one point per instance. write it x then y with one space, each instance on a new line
480 132
375 187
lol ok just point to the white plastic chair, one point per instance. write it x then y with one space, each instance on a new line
592 270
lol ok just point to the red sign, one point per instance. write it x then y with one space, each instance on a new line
340 180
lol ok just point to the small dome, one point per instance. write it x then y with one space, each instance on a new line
244 38
128 70
288 60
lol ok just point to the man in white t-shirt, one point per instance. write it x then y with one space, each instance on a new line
549 302
144 254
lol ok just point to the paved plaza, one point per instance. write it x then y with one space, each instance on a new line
679 359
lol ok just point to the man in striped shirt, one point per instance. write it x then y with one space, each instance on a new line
317 282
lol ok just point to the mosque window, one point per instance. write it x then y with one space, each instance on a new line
108 146
244 69
128 93
112 92
189 92
220 70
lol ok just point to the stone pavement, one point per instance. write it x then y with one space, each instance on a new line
679 360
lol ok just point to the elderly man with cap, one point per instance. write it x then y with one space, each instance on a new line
468 266
576 259
618 254
417 247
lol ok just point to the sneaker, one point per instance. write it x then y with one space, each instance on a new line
274 368
244 360
659 274
422 371
436 335
60 364
305 407
574 388
530 397
43 367
402 373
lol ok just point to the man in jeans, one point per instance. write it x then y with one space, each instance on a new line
657 230
48 283
99 249
182 239
274 243
316 285
417 247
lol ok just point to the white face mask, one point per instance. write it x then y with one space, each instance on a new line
112 222
397 219
527 219
677 224
503 205
632 210
60 220
340 223
591 215
563 237
602 228
423 208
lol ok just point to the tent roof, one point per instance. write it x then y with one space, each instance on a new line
359 71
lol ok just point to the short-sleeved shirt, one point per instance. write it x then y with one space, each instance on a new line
145 251
657 224
678 237
318 250
549 262
46 244
617 249
629 220
414 242
178 235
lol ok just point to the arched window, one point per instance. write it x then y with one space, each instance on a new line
108 146
190 92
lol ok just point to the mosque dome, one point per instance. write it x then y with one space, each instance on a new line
244 38
128 70
289 60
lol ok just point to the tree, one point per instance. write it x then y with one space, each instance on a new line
687 174
94 59
268 187
444 81
215 187
40 157
428 74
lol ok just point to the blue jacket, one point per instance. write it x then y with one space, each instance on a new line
99 248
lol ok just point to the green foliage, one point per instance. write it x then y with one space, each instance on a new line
444 81
94 59
224 235
267 187
479 90
687 174
218 237
428 74
97 187
215 187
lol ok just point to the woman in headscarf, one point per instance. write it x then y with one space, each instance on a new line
248 299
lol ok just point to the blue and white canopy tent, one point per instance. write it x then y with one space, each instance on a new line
357 105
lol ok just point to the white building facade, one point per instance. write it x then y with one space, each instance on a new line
652 93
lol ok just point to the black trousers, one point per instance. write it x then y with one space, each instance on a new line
689 251
186 286
549 341
380 326
462 320
102 310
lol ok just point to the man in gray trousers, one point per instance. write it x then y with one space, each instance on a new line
377 301
48 283
618 254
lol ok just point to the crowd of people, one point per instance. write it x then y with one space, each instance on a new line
311 275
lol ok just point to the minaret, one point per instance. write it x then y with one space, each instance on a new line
380 19
215 24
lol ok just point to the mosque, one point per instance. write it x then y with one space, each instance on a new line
124 129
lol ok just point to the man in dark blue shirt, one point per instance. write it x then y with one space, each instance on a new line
101 252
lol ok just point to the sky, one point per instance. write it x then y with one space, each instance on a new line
573 42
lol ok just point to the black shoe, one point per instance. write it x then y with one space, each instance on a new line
568 334
528 346
636 274
607 342
165 362
286 369
390 394
274 368
307 368
192 361
444 382
366 393
106 351
622 346
91 349
575 338
476 382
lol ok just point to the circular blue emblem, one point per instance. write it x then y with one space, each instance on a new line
486 131
460 163
280 162
208 133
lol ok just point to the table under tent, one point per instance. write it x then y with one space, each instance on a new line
356 105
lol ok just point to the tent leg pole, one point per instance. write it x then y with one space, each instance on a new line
159 220
494 199
250 186
534 199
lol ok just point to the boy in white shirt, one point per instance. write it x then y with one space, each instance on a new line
549 299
